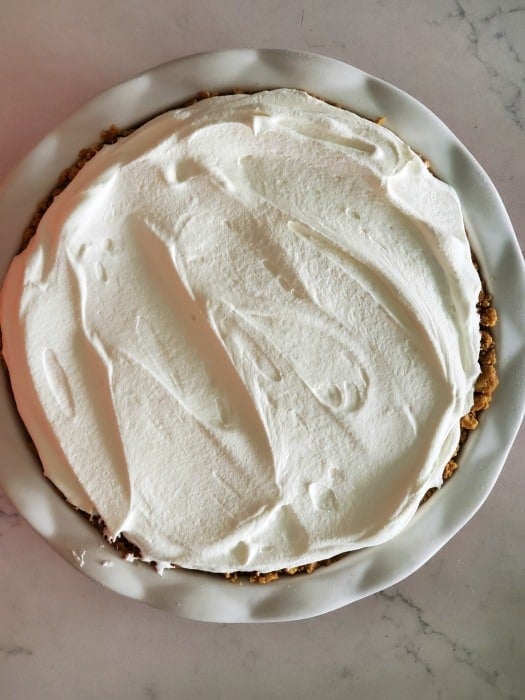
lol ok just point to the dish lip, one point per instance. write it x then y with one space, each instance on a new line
208 597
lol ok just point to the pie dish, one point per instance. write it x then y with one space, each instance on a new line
198 595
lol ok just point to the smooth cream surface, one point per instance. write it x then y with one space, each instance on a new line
245 334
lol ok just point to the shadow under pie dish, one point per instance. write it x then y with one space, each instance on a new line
342 385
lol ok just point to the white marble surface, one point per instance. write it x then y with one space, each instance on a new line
454 629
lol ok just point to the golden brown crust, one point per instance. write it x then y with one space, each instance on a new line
486 383
484 388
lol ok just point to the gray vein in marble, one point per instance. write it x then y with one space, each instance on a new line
16 650
499 11
345 673
8 515
480 31
459 652
151 693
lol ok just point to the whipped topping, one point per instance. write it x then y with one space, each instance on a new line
245 334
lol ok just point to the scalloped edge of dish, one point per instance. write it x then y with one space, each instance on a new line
205 597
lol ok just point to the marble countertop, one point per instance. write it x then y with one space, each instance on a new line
454 629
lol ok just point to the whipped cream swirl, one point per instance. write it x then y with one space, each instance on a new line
245 334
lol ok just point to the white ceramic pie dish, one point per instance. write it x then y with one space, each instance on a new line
206 597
